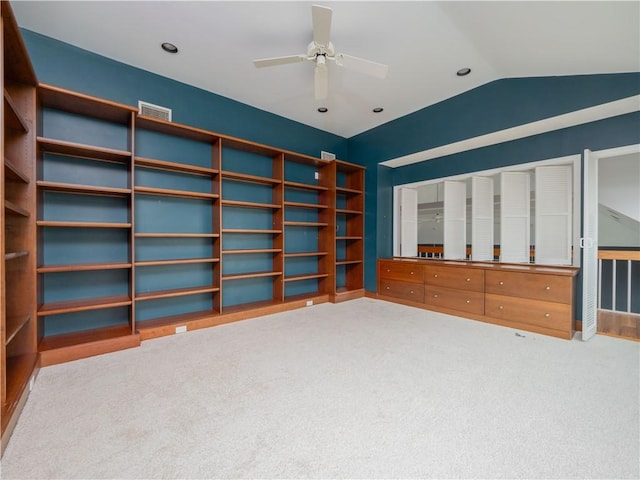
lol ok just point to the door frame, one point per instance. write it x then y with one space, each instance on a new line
590 282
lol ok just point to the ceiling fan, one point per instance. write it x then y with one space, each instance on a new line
321 50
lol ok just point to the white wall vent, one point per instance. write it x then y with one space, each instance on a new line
155 111
327 155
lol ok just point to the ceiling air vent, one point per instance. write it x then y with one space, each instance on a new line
155 111
327 155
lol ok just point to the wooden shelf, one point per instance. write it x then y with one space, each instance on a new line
70 306
349 237
68 101
12 172
241 276
343 166
305 159
14 255
83 267
305 186
347 262
244 177
14 325
13 119
248 146
309 276
254 250
175 129
242 307
305 205
86 343
345 190
183 261
348 212
83 189
305 254
176 235
238 203
83 336
13 209
52 223
305 224
175 167
248 230
176 292
173 193
19 368
180 319
73 149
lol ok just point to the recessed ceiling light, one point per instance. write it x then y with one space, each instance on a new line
169 47
378 109
463 71
323 109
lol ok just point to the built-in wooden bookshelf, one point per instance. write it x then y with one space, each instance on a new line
85 203
18 351
177 259
349 215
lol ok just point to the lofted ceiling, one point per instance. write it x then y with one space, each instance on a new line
424 43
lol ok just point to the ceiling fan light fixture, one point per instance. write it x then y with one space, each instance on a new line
169 47
323 109
463 72
378 110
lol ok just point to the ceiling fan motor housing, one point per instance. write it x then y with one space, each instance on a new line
314 51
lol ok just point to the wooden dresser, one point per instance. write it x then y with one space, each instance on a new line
534 298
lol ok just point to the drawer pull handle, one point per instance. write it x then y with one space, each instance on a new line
388 270
411 273
411 291
501 307
547 315
468 301
435 296
435 275
547 287
387 288
468 279
501 283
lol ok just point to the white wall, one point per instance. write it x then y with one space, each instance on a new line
619 184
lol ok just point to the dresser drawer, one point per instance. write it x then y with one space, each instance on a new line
455 277
400 289
461 300
550 288
556 316
411 272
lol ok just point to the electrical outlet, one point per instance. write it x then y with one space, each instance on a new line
316 175
181 329
309 303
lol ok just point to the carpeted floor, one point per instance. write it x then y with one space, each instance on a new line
362 389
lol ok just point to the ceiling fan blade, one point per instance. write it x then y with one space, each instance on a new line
361 65
321 82
269 62
321 17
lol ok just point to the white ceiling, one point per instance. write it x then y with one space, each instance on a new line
424 43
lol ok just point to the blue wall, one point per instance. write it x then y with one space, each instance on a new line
491 107
495 106
60 64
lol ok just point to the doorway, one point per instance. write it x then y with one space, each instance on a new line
611 243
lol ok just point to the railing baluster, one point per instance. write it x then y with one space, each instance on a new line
613 287
599 283
628 286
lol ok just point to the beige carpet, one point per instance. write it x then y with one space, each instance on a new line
364 389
